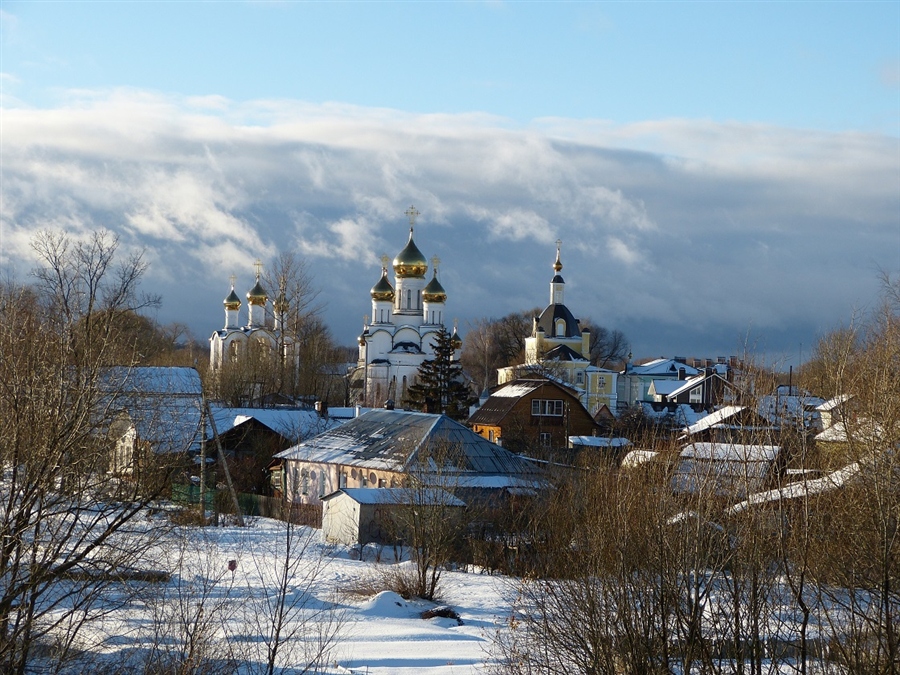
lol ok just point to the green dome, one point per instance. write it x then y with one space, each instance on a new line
410 262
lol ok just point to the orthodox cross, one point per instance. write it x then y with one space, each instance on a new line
435 261
258 266
412 212
384 262
233 279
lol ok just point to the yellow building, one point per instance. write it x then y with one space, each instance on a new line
560 349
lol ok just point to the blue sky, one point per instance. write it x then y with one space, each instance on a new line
828 65
715 170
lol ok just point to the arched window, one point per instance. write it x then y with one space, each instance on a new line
560 328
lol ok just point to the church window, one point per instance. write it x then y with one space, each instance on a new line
560 328
382 483
408 299
579 377
343 479
601 382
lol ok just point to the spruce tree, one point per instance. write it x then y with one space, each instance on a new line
440 384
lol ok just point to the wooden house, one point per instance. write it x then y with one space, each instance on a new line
532 413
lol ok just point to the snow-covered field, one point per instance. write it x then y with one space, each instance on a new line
224 616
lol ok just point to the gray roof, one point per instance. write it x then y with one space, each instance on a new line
292 423
163 404
429 496
397 440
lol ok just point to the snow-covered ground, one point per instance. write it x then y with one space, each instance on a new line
224 615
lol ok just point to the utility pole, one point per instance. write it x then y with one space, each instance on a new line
234 499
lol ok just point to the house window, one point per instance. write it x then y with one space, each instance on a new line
546 407
304 482
545 439
601 382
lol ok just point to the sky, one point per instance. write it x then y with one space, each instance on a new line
722 176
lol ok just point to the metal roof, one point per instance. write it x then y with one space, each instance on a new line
397 440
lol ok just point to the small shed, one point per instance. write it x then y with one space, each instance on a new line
364 515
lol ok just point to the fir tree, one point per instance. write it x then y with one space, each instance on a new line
440 384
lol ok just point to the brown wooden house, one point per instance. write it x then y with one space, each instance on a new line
529 414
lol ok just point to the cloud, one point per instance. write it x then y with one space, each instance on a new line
704 228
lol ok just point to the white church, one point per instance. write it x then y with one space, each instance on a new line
236 341
406 317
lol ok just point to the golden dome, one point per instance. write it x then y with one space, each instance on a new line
434 292
455 340
557 265
257 295
383 289
410 262
232 302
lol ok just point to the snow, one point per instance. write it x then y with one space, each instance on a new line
398 496
712 419
515 390
599 441
378 635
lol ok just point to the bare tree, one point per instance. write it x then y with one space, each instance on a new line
62 537
608 347
299 629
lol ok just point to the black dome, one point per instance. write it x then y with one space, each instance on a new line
552 314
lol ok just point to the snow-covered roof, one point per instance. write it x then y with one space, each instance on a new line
637 457
662 368
665 387
833 402
729 468
788 407
395 440
292 423
517 389
862 430
801 488
162 403
713 419
730 452
427 496
599 441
